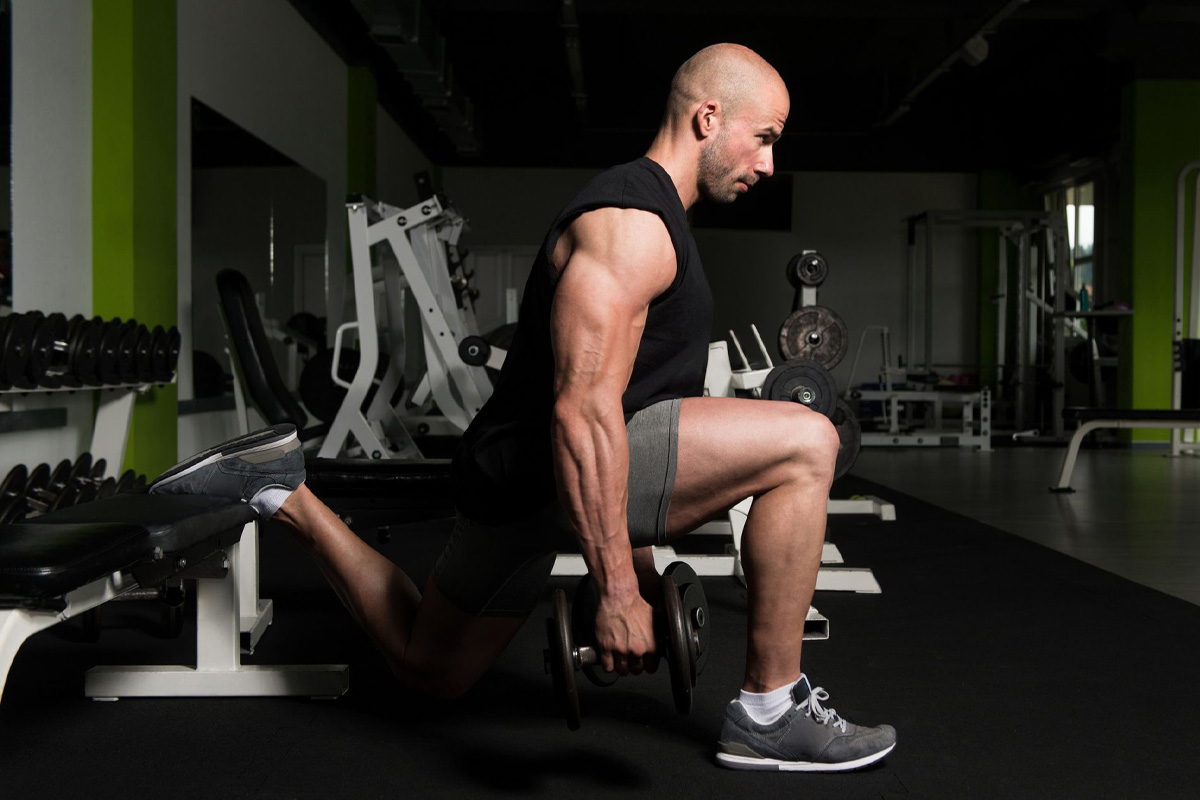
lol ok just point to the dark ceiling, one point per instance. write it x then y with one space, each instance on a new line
1047 94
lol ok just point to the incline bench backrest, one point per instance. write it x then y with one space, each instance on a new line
252 351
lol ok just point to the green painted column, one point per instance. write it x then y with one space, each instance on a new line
134 188
362 98
1160 132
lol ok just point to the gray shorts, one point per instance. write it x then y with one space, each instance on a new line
501 570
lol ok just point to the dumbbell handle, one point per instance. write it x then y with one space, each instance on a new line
586 657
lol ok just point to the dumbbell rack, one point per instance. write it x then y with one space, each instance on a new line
114 413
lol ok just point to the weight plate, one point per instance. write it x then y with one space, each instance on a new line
61 475
46 350
81 470
125 482
12 508
816 333
87 493
85 350
174 341
64 499
807 269
804 382
679 664
14 483
39 478
127 353
562 659
15 357
98 469
106 359
849 437
144 355
583 628
158 354
695 610
107 488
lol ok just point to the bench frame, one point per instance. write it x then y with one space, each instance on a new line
223 633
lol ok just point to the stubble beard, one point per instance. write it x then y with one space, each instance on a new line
717 177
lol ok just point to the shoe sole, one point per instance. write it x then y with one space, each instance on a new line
777 765
236 451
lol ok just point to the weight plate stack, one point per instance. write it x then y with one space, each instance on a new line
804 382
815 333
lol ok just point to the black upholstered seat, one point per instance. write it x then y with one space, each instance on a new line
50 555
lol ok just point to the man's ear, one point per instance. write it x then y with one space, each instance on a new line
707 119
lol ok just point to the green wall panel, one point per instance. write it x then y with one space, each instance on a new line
1160 133
134 189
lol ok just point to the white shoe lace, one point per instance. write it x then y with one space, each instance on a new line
825 716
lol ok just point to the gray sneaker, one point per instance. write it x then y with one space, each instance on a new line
807 738
260 468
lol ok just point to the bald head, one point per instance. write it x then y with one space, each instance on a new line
728 73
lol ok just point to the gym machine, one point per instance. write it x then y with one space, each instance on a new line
1042 286
423 241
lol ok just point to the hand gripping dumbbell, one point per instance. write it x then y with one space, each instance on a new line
683 636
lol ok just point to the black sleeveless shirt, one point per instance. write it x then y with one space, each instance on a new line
504 468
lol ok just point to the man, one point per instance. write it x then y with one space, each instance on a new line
598 416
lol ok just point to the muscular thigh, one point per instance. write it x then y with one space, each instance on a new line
734 448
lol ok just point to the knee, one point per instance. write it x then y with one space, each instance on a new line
813 443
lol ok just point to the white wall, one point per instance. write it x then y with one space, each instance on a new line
855 219
51 196
258 63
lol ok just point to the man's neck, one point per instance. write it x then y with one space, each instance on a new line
681 166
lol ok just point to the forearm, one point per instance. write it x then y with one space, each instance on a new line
591 455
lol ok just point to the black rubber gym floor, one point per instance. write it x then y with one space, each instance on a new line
1009 671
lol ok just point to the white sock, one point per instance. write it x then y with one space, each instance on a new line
270 500
767 707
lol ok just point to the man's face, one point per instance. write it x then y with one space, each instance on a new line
741 152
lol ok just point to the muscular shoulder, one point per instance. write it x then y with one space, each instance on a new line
632 243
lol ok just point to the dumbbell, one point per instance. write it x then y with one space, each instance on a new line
127 342
14 352
683 639
50 352
164 353
49 491
86 335
108 355
12 495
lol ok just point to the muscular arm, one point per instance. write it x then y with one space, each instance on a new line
613 263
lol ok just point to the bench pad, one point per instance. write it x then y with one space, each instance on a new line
56 553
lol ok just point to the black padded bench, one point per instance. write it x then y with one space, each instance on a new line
60 565
1091 419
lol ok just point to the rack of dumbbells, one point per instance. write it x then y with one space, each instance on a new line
43 354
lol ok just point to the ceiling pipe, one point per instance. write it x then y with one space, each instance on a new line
973 51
